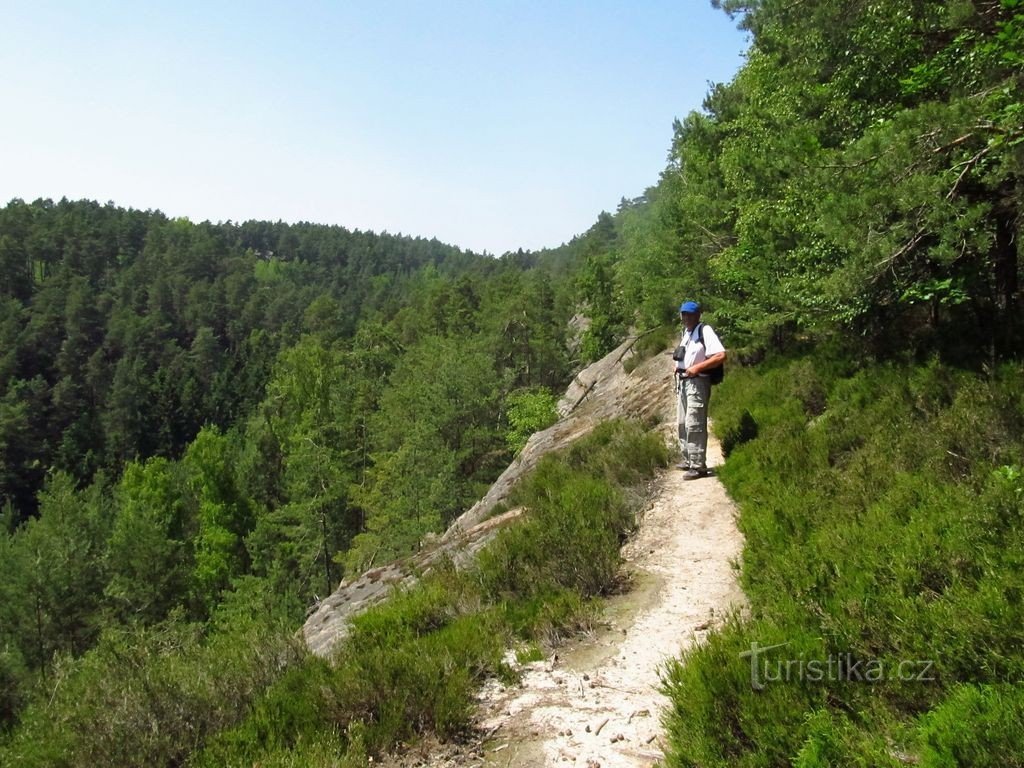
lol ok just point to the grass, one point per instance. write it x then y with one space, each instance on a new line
882 509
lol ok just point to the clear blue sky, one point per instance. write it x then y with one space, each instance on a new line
489 125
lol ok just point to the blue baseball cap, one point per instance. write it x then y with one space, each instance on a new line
689 306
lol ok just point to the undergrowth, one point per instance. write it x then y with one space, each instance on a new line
882 511
409 666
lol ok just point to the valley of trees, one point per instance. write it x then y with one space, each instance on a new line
200 423
188 406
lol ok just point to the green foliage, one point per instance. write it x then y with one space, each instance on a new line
876 527
223 516
528 411
620 452
299 463
410 665
392 681
855 190
834 738
529 653
585 511
148 696
123 333
742 432
650 343
429 675
14 679
976 725
54 570
438 415
149 554
597 289
860 174
575 498
270 402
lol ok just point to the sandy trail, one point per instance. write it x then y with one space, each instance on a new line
597 703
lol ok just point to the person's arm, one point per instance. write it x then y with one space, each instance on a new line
707 364
716 349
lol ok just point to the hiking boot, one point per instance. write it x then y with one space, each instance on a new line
683 465
694 474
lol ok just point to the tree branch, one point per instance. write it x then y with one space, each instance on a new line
720 243
849 166
906 248
968 165
953 143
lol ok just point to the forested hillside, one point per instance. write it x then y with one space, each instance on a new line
184 407
203 426
860 177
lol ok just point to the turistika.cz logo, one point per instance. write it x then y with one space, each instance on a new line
839 667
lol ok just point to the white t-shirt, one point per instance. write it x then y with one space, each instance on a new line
697 352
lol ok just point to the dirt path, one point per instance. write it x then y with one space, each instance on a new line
597 703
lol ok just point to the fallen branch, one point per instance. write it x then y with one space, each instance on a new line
720 243
634 341
584 395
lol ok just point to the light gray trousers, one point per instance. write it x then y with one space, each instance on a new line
692 415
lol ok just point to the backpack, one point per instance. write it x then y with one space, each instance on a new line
716 374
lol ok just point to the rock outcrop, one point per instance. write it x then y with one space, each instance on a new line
600 392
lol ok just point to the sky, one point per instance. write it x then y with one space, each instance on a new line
491 125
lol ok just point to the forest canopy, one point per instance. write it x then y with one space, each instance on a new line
187 406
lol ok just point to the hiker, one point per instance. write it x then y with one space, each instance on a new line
699 352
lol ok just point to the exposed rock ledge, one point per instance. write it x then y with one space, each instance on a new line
599 392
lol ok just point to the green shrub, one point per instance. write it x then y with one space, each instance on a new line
321 751
148 696
622 452
14 679
978 726
720 717
529 411
547 617
529 653
422 685
740 433
834 739
247 694
290 714
410 665
808 388
571 539
885 525
578 516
